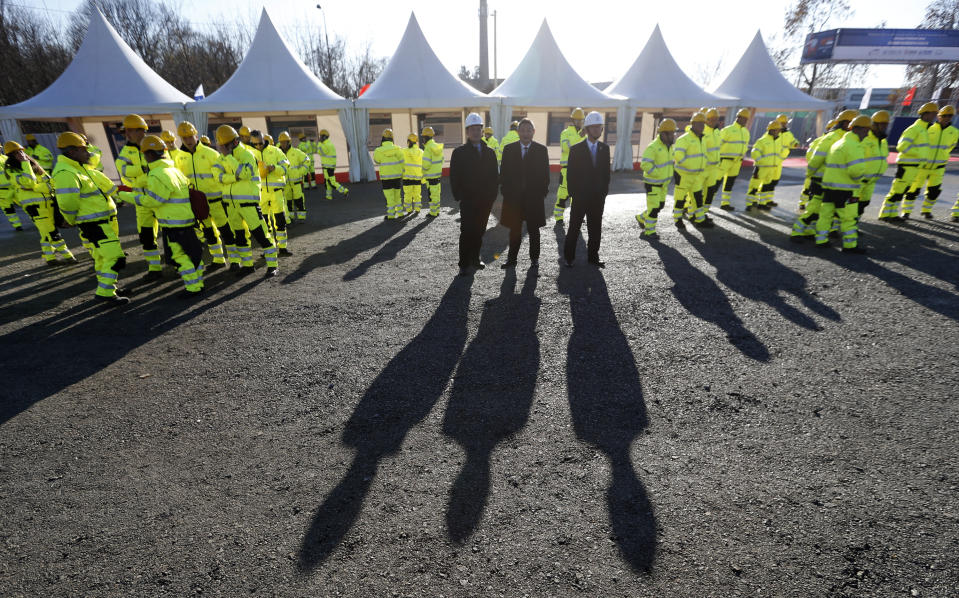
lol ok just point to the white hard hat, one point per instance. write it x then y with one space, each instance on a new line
593 118
474 119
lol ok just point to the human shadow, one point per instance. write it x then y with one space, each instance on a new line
491 396
607 407
751 270
398 399
346 249
49 355
387 252
704 299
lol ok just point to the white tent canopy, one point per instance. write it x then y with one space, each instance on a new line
757 82
415 78
105 78
271 79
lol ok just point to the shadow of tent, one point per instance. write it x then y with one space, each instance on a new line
399 398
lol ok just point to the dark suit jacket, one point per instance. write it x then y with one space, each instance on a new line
473 176
524 184
584 181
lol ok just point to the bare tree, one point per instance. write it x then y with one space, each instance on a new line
32 54
928 78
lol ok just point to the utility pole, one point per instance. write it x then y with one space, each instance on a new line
495 76
329 59
483 82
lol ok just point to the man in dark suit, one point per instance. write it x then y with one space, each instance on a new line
587 177
524 181
473 180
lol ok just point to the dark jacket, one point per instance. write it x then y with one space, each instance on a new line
473 176
524 184
583 180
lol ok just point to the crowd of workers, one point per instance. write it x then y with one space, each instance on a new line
245 187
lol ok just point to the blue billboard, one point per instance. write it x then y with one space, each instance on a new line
882 46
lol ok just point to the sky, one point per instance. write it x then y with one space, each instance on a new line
599 38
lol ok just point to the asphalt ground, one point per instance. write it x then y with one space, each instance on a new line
719 413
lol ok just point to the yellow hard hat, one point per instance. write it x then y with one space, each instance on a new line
782 118
244 131
880 116
152 142
284 136
256 139
428 132
167 137
268 139
388 134
515 125
666 126
225 134
412 137
205 139
928 107
832 123
186 129
488 130
699 117
301 135
743 112
712 113
11 146
846 115
324 132
134 121
578 114
773 126
861 121
30 137
70 139
947 111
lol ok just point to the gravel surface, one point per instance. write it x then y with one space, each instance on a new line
718 413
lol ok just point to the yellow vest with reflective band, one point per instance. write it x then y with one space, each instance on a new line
413 163
96 155
79 194
492 143
788 142
567 139
656 163
41 155
306 147
241 179
816 162
274 156
7 191
390 159
131 165
941 143
689 154
845 164
432 159
28 189
297 166
327 152
734 142
913 144
510 137
876 154
203 168
167 194
714 142
766 152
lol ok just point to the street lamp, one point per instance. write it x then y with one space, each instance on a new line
329 60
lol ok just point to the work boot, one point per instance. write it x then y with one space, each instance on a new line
286 252
727 207
856 249
680 225
19 229
152 275
215 266
189 295
234 267
245 271
271 271
927 215
114 301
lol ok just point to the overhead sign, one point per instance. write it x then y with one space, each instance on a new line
882 46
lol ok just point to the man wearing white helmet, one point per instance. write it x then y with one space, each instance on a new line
588 183
474 181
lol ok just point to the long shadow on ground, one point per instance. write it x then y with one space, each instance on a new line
398 399
492 394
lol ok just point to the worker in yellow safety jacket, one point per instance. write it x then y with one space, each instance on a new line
412 175
8 197
787 143
85 204
41 154
511 136
273 182
805 224
875 151
842 180
492 143
913 149
96 154
657 165
169 140
293 192
942 140
167 193
732 149
309 148
714 172
31 190
689 163
391 160
133 174
203 167
570 136
432 169
241 189
327 152
766 155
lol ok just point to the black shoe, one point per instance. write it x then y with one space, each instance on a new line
927 215
598 263
245 271
569 263
464 272
797 238
765 207
286 252
152 275
479 265
727 207
432 215
507 265
772 204
560 221
680 225
822 246
52 263
114 301
234 267
271 271
707 223
856 249
19 229
214 266
189 295
123 292
954 219
834 234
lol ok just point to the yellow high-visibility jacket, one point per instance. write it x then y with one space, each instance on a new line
735 142
657 164
167 193
390 159
913 145
79 195
432 159
413 163
845 164
203 167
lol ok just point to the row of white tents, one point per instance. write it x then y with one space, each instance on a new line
107 80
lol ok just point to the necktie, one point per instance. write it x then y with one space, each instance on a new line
592 150
525 147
